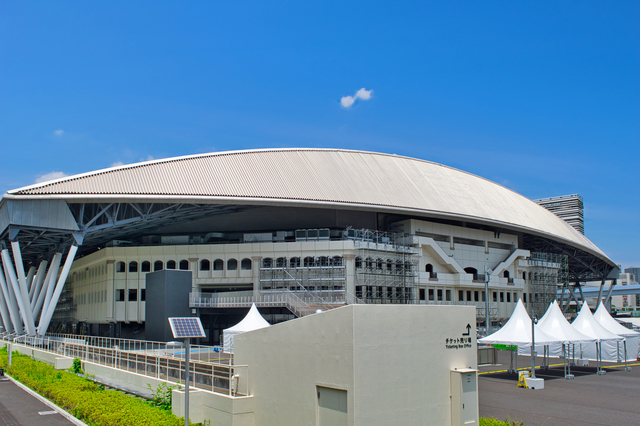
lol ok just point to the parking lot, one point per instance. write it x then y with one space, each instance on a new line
589 399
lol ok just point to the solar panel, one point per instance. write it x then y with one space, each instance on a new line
183 328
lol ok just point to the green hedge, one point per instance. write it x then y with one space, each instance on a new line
83 398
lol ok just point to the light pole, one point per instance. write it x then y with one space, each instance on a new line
487 320
534 321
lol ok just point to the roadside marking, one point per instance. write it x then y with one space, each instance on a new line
554 365
46 413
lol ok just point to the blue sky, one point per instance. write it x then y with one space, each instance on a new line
542 97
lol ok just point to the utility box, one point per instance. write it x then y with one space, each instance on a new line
464 397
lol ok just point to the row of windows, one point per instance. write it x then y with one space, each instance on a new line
307 262
389 264
205 265
132 295
471 296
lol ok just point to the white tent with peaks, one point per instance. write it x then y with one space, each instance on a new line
556 325
615 348
517 331
587 324
253 321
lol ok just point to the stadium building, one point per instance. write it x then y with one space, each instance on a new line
293 230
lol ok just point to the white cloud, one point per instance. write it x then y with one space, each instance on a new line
58 132
364 94
51 176
117 164
348 101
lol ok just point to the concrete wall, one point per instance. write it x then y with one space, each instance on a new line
393 361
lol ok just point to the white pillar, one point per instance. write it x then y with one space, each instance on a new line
35 288
32 272
51 275
49 284
46 318
19 284
11 305
4 313
12 298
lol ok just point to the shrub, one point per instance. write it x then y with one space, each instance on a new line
76 367
83 398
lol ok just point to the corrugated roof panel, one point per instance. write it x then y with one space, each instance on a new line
323 175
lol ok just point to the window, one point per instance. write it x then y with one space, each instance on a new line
524 275
324 261
440 294
501 296
308 261
460 295
245 265
143 294
184 265
484 296
428 267
133 266
515 297
508 297
379 293
337 261
120 267
421 294
157 265
294 262
133 295
281 262
119 295
475 296
218 265
359 291
389 265
495 296
205 265
358 262
171 264
267 262
379 263
146 266
232 265
430 294
448 295
506 274
524 297
469 296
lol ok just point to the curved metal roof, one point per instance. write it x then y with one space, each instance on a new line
329 177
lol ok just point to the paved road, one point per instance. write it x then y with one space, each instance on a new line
19 408
589 399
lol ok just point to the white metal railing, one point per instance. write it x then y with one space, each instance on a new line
299 302
211 370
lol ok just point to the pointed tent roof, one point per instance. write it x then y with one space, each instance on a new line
252 321
604 319
555 324
587 324
517 331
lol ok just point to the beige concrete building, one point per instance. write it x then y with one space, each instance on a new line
292 230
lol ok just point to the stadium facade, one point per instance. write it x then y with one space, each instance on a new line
293 230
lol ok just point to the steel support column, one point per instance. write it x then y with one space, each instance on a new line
47 292
608 296
46 318
11 305
38 280
4 313
22 290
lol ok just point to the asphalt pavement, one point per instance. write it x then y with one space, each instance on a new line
19 407
588 399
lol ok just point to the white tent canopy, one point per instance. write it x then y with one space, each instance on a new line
556 325
632 338
587 324
253 321
517 331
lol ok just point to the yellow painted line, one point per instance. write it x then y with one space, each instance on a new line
553 365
